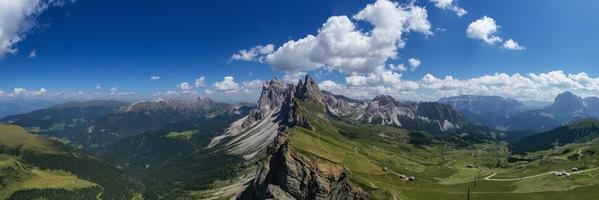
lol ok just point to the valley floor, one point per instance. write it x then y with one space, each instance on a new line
381 160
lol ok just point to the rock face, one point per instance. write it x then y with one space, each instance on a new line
567 103
385 110
283 173
250 135
290 175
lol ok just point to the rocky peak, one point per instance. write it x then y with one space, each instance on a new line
568 103
273 95
384 99
308 89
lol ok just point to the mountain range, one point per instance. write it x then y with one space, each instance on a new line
511 115
300 142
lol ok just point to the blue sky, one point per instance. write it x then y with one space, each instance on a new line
120 44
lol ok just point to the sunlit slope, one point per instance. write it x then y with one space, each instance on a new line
381 159
34 167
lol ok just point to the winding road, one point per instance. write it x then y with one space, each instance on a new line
490 177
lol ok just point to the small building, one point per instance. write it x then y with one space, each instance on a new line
574 169
411 178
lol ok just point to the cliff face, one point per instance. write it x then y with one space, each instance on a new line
290 175
287 174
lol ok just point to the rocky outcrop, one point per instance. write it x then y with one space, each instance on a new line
385 110
284 173
287 174
276 111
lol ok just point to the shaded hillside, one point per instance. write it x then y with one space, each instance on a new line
578 132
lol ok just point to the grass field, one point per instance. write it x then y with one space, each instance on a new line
17 176
13 137
376 156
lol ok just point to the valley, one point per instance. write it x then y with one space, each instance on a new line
298 142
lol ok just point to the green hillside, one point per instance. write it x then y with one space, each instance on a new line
32 167
578 132
380 158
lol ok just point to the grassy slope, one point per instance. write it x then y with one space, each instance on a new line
13 137
17 176
439 168
32 162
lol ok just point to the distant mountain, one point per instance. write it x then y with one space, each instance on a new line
19 106
492 111
145 116
566 109
64 120
579 132
511 115
385 110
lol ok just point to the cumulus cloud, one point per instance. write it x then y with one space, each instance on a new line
228 85
397 67
484 29
450 5
253 86
17 18
200 82
256 53
542 86
98 86
293 77
414 63
22 92
113 90
185 86
155 77
512 45
340 45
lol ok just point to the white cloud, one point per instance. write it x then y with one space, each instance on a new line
512 45
184 86
98 86
208 91
414 63
293 77
484 29
113 90
397 67
200 82
253 86
22 92
450 5
17 18
228 85
1 93
340 45
32 54
256 53
155 77
542 86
